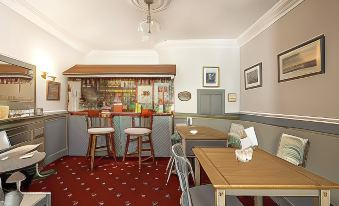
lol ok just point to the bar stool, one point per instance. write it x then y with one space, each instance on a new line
99 125
142 135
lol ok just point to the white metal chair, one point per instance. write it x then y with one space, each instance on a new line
24 198
203 195
177 150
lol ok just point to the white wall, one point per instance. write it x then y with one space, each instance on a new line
122 57
21 39
190 59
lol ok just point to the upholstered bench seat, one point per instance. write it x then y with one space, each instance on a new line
137 131
98 131
204 195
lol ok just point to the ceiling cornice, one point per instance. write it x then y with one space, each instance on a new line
29 12
198 43
279 10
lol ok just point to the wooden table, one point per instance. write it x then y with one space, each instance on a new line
264 175
206 137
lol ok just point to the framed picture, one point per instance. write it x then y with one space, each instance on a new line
232 97
53 90
184 96
253 76
211 77
304 60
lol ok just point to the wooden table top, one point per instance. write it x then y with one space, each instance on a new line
264 171
204 133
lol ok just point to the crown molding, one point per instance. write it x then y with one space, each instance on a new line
26 10
279 10
125 53
198 43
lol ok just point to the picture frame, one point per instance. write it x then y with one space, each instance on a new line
211 76
253 76
184 96
232 97
53 91
306 59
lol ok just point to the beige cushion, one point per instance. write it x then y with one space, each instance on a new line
238 129
292 149
100 130
137 131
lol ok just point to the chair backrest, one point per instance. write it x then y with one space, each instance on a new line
293 149
4 142
182 166
97 120
145 119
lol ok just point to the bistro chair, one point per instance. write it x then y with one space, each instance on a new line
98 125
203 195
142 135
293 149
17 197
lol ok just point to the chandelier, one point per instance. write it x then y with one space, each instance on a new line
150 25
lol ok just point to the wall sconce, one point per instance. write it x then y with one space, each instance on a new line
47 76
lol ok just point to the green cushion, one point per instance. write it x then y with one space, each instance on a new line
175 138
233 140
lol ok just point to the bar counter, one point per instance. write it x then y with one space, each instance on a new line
161 132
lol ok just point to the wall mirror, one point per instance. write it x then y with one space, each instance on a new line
17 88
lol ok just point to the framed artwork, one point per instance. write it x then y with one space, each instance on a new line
184 96
232 97
53 90
253 76
211 77
304 60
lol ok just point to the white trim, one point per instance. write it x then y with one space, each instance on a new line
294 117
125 53
26 10
198 43
279 10
55 111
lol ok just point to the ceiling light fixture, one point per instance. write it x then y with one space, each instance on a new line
149 25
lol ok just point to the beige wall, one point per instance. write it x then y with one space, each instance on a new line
312 96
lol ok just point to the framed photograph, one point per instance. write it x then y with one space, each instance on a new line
253 76
211 77
232 97
53 90
304 60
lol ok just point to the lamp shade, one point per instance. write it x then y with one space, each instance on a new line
148 28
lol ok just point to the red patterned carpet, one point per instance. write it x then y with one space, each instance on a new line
112 184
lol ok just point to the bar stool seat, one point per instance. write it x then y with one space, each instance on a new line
137 131
99 131
142 135
99 125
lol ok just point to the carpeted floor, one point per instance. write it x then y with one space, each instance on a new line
113 184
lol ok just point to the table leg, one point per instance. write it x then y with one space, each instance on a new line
325 199
197 171
220 197
258 201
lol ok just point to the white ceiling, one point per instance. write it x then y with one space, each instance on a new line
112 24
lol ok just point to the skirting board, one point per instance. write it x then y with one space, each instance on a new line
55 156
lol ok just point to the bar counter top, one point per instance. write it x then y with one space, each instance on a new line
84 113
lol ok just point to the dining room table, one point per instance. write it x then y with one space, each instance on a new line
264 175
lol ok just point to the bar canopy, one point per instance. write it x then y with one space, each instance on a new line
158 70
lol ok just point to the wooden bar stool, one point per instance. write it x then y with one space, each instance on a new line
142 135
98 125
